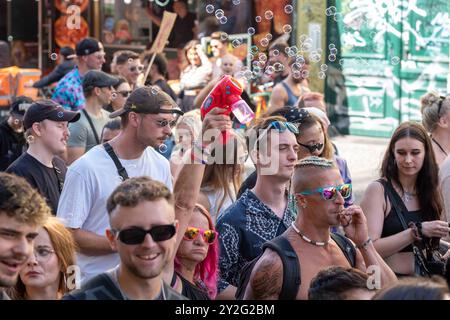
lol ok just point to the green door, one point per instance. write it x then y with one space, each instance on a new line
389 53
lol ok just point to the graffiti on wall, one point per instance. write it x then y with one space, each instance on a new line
394 51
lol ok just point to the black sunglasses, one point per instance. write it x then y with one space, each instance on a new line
124 94
133 236
313 147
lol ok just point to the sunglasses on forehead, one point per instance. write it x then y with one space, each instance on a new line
330 192
209 236
313 147
440 103
280 126
136 235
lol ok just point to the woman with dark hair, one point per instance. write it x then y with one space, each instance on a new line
406 194
196 261
195 75
119 95
416 289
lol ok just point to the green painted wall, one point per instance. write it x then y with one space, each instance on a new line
389 54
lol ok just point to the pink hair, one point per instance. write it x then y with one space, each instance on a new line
206 270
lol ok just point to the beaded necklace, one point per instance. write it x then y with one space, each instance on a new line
316 243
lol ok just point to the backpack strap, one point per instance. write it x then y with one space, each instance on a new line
291 266
58 174
120 169
346 246
91 124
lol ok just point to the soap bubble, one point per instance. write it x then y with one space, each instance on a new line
113 96
269 36
163 148
250 56
296 74
223 36
332 57
219 13
258 18
269 70
275 52
322 75
262 57
54 56
333 51
287 28
303 38
10 38
338 17
268 15
236 43
288 9
296 66
154 90
341 62
330 11
278 67
251 31
236 2
323 67
223 20
264 42
395 60
305 74
331 46
210 8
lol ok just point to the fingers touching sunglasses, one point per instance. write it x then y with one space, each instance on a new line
209 236
135 235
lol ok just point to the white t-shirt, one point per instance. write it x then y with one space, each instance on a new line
89 182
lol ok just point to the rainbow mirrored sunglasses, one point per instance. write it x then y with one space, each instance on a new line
330 192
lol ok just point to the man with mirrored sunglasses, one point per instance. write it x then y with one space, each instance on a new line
146 244
128 65
320 195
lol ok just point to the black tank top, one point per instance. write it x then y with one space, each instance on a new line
191 291
392 224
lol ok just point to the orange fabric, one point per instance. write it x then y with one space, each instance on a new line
15 81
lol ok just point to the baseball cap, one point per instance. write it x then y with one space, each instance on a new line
97 78
19 105
67 52
148 100
47 109
88 46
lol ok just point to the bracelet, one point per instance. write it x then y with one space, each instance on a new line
415 231
419 228
365 244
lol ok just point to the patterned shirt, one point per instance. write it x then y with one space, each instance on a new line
69 91
243 228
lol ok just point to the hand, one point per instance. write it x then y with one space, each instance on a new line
199 49
446 255
435 229
354 223
215 120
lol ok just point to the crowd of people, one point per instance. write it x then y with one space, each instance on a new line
115 188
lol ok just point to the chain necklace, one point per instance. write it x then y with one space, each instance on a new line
407 196
316 243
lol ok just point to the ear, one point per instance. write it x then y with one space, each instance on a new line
443 122
254 155
37 129
301 201
134 119
111 239
97 91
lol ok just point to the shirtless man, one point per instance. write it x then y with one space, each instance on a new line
309 235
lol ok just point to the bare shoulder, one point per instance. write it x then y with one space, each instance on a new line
266 279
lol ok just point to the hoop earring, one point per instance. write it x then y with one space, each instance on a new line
30 139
